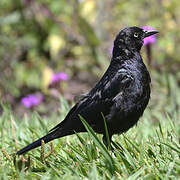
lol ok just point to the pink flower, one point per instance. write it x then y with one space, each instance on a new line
32 100
150 39
57 77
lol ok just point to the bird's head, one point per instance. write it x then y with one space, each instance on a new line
131 38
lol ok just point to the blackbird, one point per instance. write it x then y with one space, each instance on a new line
120 97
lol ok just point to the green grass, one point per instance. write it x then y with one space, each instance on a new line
150 150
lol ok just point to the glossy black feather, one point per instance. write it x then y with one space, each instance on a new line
122 94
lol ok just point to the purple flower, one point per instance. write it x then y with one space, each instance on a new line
150 39
57 77
111 50
32 100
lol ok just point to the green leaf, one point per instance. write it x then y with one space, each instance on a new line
88 32
11 18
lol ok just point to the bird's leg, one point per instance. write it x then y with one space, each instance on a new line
106 143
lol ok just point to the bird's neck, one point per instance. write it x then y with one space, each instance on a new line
124 52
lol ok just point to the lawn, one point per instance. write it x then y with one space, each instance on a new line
150 150
52 51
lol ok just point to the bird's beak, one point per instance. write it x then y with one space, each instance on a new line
149 33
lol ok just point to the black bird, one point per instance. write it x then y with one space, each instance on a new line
121 95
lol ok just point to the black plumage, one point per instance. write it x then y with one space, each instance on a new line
121 95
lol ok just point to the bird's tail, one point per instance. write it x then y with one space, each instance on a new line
37 143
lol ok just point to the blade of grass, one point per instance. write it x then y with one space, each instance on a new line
133 144
107 133
136 174
173 148
99 144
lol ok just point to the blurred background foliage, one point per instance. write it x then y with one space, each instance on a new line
41 37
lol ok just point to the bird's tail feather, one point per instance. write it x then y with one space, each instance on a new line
37 143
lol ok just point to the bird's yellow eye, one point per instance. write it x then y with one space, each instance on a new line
136 34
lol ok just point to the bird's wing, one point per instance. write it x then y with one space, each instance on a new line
98 100
118 83
105 93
